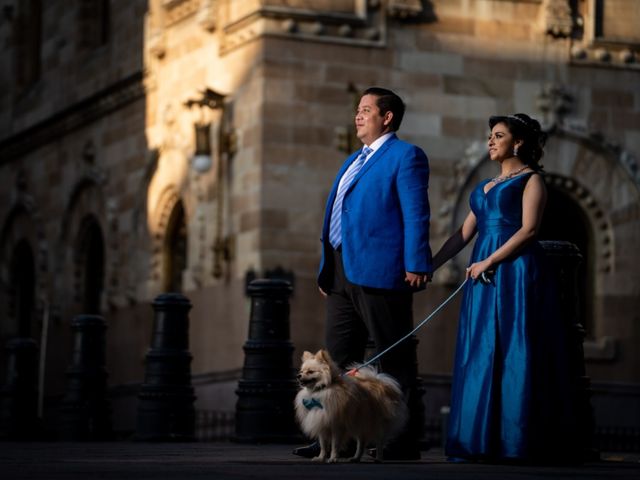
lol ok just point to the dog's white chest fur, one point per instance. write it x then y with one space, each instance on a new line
311 410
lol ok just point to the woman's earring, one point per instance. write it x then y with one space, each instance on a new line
515 151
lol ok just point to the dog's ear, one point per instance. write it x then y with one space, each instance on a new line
307 356
324 356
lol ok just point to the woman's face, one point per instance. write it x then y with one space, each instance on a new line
501 143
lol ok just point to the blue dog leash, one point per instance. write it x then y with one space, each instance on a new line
353 371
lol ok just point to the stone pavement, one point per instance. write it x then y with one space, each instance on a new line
185 461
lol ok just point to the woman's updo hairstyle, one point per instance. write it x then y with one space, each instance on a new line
527 129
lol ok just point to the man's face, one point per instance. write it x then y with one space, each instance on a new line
369 123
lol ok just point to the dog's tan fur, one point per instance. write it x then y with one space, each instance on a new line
367 407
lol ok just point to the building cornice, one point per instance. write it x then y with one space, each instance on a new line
363 25
77 115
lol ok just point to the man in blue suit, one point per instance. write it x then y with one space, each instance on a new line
376 253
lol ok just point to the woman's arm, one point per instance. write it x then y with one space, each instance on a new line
456 242
534 199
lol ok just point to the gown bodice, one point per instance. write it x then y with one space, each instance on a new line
500 209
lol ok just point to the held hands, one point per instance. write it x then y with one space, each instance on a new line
417 280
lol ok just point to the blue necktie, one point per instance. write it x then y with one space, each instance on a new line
335 228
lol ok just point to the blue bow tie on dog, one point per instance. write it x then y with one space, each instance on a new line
311 403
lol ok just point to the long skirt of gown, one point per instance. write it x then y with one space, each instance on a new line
511 393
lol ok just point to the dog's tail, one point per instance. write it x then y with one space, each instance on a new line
395 408
389 383
369 372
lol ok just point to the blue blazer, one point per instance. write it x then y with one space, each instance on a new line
385 219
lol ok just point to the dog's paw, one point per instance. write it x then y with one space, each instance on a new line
319 458
332 460
354 460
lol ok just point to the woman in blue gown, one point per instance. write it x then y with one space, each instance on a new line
511 395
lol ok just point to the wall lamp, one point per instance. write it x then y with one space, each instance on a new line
202 161
207 101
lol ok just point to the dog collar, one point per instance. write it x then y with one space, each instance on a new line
311 403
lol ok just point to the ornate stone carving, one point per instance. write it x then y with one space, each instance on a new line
363 25
208 15
115 295
157 44
609 55
558 18
404 9
603 230
627 56
628 160
554 102
473 155
605 39
177 10
166 202
172 136
171 4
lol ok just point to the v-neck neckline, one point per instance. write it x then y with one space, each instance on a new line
485 193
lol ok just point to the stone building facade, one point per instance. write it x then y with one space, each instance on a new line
149 146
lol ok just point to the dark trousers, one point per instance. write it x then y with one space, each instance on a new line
354 313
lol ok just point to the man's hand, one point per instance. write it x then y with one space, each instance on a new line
417 280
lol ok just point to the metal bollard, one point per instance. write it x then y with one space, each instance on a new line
165 402
564 258
445 410
264 410
85 411
19 396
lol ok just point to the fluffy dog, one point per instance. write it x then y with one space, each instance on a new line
336 408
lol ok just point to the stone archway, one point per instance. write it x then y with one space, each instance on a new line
24 251
22 289
89 265
23 286
175 249
573 215
169 241
82 250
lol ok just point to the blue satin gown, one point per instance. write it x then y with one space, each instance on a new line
511 397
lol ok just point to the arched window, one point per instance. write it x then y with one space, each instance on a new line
22 289
28 36
564 219
175 250
93 23
91 265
